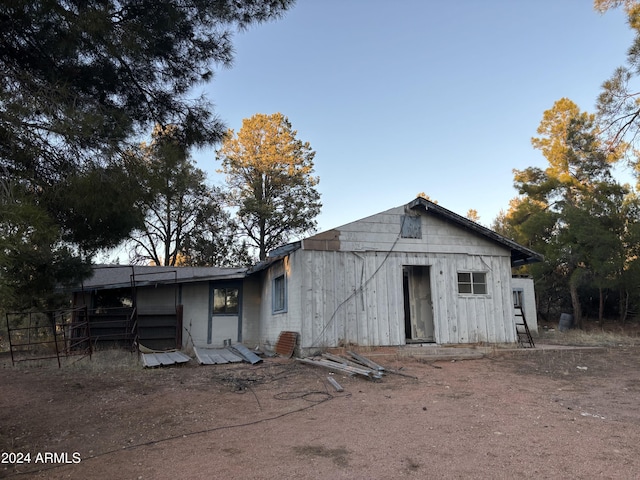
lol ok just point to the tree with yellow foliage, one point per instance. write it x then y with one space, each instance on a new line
472 214
269 175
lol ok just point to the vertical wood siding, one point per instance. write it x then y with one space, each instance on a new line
354 294
358 298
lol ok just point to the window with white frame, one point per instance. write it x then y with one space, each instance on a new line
474 283
279 294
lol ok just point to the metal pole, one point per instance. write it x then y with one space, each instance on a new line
13 363
55 338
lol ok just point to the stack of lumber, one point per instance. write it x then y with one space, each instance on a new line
357 365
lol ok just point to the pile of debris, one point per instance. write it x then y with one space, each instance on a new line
356 365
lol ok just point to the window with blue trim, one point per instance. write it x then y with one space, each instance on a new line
279 294
225 301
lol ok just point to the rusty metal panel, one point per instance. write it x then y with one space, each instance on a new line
286 343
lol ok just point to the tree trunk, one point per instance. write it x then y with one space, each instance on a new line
624 305
601 306
263 248
575 302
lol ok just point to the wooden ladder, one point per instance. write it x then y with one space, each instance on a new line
522 329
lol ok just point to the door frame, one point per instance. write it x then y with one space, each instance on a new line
409 272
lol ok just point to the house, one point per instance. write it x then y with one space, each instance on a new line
417 273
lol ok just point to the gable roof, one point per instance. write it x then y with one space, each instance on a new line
122 276
107 277
520 255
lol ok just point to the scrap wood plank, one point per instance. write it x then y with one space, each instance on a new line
366 362
371 364
340 367
335 384
345 361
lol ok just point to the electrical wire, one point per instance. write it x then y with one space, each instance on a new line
361 287
286 396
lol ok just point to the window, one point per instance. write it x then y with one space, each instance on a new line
119 298
225 301
517 298
411 227
279 294
472 282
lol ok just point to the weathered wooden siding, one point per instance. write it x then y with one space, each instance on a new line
358 298
350 291
380 233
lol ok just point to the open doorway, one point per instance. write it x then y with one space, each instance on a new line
418 306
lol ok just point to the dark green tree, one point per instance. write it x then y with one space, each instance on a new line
80 81
80 77
618 106
184 217
33 260
568 211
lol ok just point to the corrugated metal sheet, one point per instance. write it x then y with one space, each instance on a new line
120 276
286 343
246 354
214 356
159 359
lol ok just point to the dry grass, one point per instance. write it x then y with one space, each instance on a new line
596 337
99 362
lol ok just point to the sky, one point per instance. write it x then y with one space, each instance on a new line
398 98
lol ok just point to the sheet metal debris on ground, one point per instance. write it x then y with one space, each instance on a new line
245 353
160 359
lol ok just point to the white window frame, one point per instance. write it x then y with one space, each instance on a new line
518 298
475 284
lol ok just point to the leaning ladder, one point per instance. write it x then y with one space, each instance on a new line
522 329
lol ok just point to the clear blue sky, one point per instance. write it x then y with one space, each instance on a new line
411 96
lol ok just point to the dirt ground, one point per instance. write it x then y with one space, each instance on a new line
538 414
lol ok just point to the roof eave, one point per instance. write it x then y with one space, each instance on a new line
523 255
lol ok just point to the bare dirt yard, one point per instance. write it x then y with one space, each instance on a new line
533 414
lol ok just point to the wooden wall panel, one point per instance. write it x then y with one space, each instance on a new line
355 295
